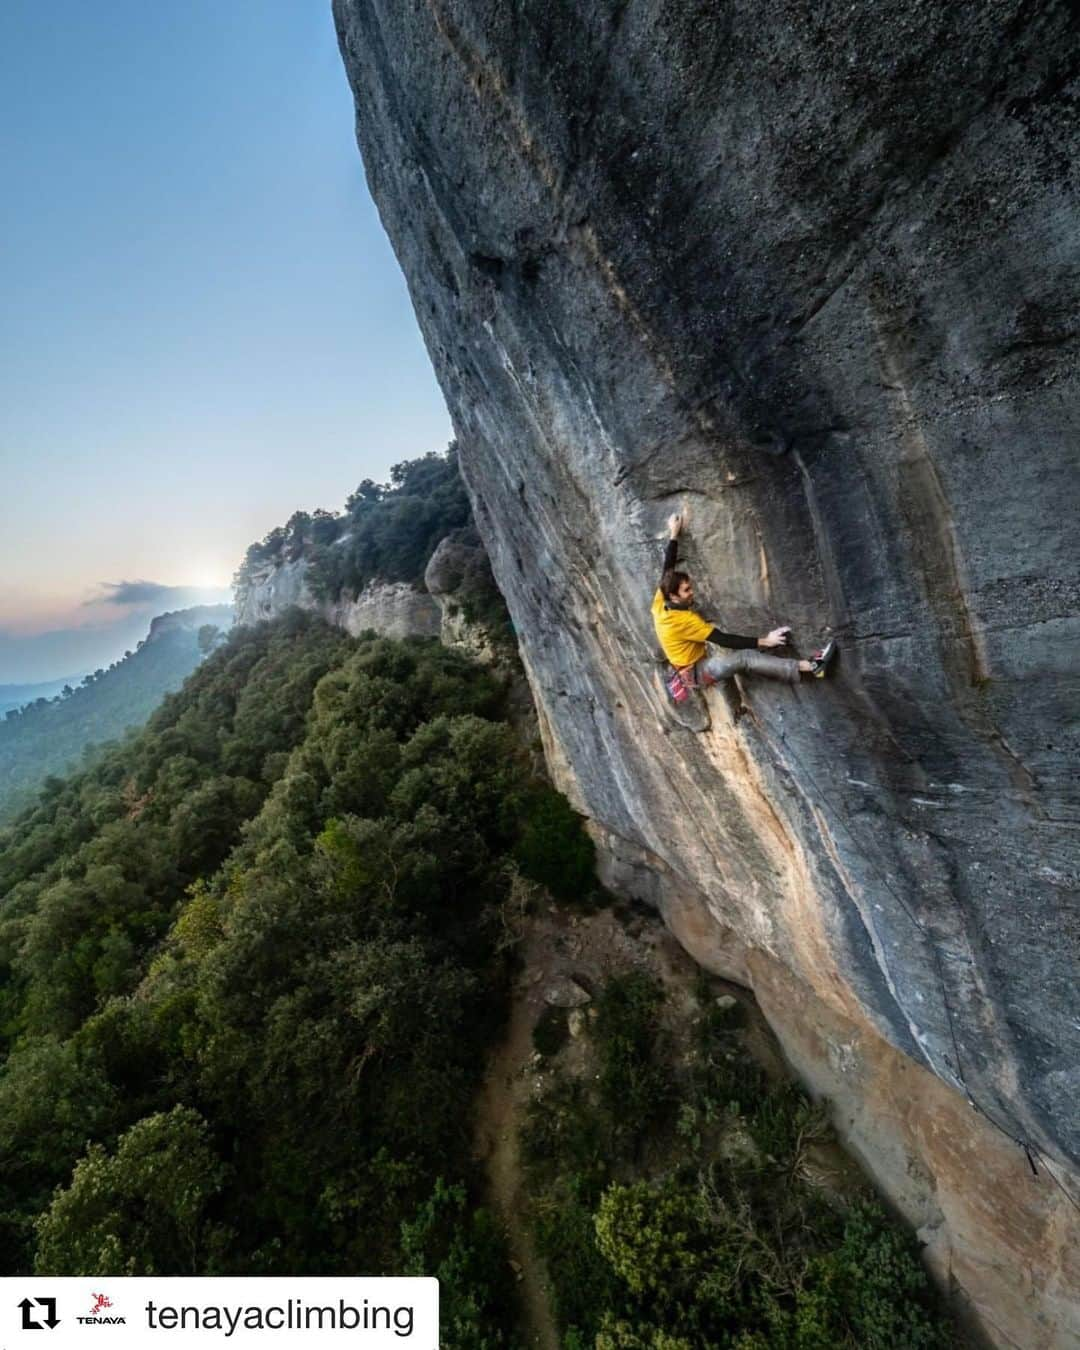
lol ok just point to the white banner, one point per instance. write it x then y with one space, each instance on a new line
43 1313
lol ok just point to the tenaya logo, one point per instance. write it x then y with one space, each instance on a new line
97 1313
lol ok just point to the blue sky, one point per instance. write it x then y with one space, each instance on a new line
203 327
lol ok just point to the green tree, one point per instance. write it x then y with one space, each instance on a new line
651 1238
142 1211
870 1292
208 637
461 1248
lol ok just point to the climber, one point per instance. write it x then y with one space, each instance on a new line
683 633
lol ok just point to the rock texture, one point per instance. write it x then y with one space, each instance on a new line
811 271
270 589
458 578
393 609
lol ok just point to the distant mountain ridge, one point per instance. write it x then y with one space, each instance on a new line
19 695
190 620
42 736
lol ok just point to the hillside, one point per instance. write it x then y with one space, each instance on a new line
261 939
50 735
811 273
256 964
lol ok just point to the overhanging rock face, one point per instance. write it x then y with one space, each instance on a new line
813 272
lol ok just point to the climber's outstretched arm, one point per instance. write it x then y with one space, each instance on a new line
671 553
777 638
734 641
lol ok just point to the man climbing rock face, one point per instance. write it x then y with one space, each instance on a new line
683 633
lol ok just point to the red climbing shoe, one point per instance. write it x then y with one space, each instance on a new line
821 659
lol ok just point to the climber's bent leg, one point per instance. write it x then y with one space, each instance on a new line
747 662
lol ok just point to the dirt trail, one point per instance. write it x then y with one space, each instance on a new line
501 1110
555 943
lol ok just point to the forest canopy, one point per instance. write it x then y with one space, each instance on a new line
250 962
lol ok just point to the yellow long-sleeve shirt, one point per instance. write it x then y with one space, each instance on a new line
680 632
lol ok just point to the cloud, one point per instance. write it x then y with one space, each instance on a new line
136 593
155 596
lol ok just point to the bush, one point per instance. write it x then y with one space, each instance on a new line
566 1134
782 1121
633 1081
583 1283
553 848
651 1238
618 1334
463 1250
727 1252
871 1292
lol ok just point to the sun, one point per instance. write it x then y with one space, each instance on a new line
207 580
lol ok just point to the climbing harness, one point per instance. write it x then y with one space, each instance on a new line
675 682
681 682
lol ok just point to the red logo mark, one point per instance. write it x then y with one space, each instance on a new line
100 1304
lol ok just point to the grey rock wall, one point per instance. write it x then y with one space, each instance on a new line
457 575
270 589
394 609
811 272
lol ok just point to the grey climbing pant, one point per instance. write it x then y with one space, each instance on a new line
746 662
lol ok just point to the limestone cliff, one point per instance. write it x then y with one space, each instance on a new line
813 272
458 603
394 609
